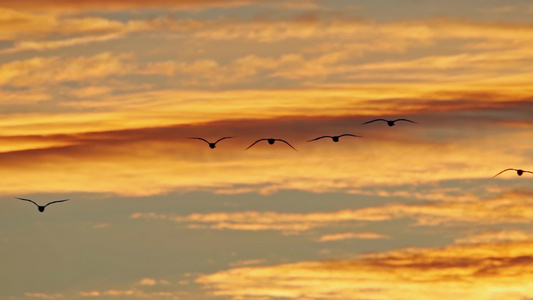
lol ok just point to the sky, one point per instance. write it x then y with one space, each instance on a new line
99 99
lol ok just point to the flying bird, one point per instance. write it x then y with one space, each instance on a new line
389 122
211 145
335 138
271 141
42 207
518 171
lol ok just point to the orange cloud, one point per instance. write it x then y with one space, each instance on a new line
152 282
169 107
477 272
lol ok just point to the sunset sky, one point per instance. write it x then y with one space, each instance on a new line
99 98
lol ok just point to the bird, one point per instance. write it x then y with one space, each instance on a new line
335 138
518 171
211 145
42 207
389 122
271 141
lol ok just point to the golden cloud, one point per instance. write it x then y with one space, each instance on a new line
477 272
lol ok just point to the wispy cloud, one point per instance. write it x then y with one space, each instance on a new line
248 262
102 5
495 237
288 223
44 296
41 70
49 45
512 207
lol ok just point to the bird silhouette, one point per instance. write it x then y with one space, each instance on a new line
335 138
42 207
271 142
389 122
211 145
518 171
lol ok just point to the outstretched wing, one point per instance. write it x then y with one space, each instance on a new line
320 137
199 138
57 201
226 137
27 200
504 171
349 134
527 171
374 121
405 120
287 143
255 143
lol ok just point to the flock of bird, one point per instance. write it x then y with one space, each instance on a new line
271 141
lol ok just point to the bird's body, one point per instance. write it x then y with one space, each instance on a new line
42 207
211 145
334 138
519 172
271 142
389 122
